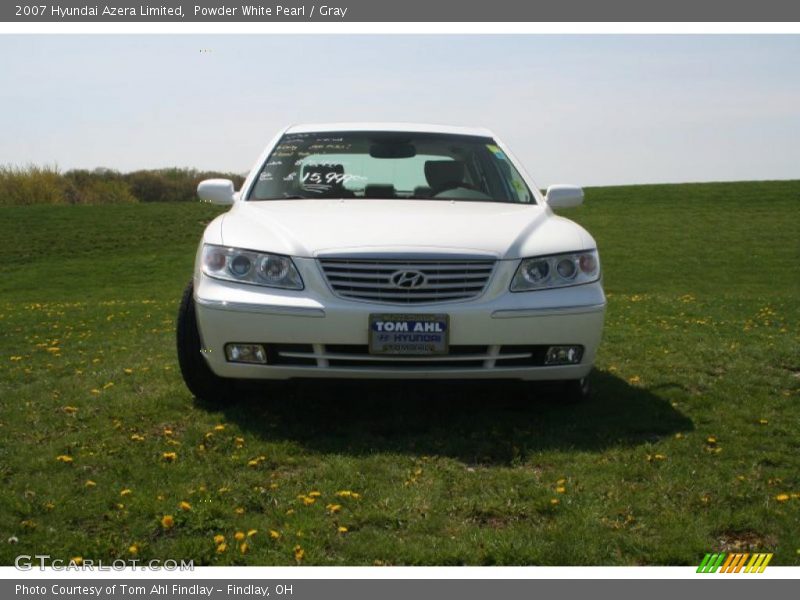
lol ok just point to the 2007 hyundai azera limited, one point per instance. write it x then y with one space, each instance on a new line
390 251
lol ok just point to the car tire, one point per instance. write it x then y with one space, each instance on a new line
575 391
199 378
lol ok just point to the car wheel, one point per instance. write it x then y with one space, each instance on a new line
574 391
199 378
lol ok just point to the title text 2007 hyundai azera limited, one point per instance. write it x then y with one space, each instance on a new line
390 251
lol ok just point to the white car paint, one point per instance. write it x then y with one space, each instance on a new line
308 230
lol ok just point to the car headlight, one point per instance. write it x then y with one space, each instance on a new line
247 266
555 271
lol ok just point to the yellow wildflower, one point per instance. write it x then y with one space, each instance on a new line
70 410
239 510
185 505
274 534
299 553
782 497
89 483
169 456
127 371
341 529
222 548
243 548
65 458
219 428
314 494
334 508
554 501
76 560
239 536
219 539
561 489
133 549
137 438
167 521
126 492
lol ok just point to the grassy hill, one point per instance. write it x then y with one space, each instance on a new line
690 444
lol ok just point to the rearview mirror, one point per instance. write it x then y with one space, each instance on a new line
216 191
564 196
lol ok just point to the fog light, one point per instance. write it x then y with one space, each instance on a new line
563 355
246 353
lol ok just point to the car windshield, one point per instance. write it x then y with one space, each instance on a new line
389 165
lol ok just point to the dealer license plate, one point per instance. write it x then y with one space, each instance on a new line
408 334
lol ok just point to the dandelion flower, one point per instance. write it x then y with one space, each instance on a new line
239 510
219 539
70 410
782 497
561 489
239 536
763 422
76 560
185 505
239 441
252 463
341 529
678 436
126 492
219 428
169 456
133 549
554 501
64 458
167 431
299 553
137 438
90 484
222 548
167 521
127 371
308 501
244 547
635 380
252 532
108 385
274 534
13 539
314 494
711 439
334 508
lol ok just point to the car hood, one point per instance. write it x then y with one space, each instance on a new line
313 228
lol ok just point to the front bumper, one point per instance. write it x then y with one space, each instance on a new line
327 336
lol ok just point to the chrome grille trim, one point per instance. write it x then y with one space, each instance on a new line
369 280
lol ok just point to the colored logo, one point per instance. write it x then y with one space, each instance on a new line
734 562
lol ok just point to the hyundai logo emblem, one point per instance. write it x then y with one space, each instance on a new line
407 279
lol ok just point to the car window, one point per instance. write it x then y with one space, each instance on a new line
389 165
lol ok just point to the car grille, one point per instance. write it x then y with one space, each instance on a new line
358 356
407 282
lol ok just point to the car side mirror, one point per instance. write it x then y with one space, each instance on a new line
564 196
216 191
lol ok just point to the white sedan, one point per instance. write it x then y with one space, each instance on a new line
389 251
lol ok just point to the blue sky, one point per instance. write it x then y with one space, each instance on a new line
584 109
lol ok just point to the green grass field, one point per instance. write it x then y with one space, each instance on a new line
691 442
